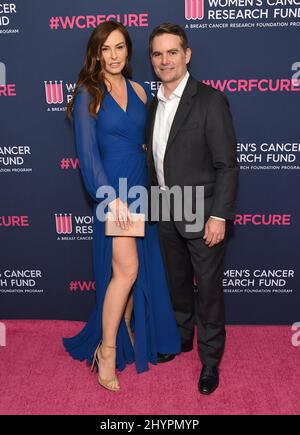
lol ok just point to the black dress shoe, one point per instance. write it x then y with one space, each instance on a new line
209 380
165 357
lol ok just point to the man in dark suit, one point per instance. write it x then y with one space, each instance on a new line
191 142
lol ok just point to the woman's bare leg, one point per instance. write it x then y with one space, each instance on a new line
128 315
124 273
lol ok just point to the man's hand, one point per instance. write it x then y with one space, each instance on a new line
214 231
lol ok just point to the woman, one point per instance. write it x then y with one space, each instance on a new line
109 124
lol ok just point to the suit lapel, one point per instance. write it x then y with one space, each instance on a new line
183 109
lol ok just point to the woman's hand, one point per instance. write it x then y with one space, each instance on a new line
121 213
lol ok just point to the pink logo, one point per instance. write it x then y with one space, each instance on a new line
194 9
252 85
54 92
8 90
69 163
14 221
63 223
82 286
263 219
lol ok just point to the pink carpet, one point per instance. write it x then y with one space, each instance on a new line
259 375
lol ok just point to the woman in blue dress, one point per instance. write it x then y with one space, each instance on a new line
109 113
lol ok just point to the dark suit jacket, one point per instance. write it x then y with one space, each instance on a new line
201 150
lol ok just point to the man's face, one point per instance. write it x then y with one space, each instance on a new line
169 60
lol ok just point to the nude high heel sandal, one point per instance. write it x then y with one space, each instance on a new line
109 384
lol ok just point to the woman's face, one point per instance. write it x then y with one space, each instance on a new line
114 53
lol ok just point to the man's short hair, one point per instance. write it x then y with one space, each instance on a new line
171 29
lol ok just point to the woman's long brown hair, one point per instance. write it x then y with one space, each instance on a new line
91 74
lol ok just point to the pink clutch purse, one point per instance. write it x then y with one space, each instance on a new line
137 229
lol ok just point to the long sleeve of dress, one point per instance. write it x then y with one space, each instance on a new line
87 149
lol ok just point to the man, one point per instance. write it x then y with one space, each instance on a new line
191 142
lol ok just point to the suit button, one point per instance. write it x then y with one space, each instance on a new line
144 146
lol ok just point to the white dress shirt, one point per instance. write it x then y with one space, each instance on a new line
165 113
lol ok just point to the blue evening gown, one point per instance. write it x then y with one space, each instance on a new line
110 147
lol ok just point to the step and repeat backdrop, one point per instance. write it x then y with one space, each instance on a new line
249 49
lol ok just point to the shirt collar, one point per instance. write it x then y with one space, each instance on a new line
177 92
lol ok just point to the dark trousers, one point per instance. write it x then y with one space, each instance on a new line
183 260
